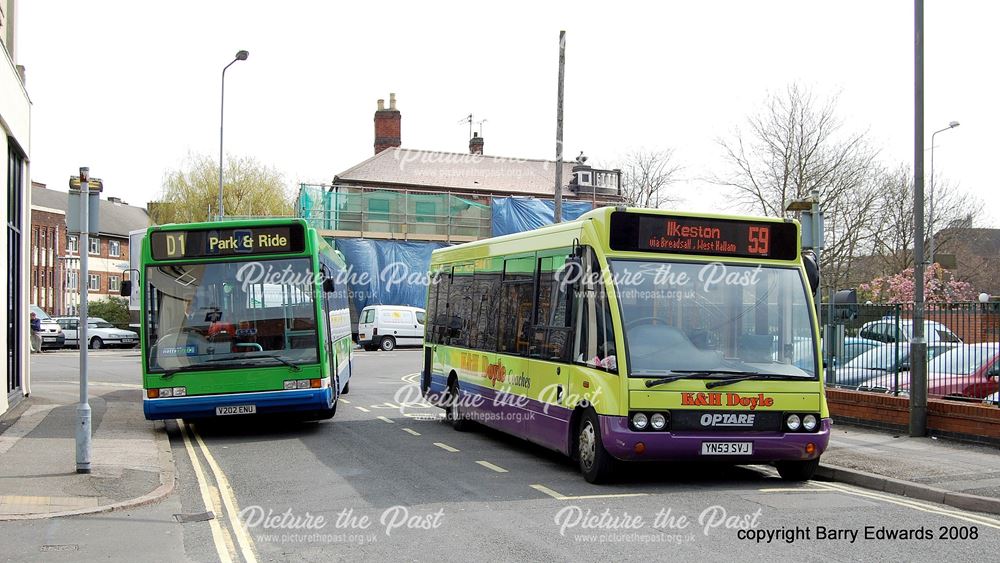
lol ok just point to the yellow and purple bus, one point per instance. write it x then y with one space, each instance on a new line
242 317
634 335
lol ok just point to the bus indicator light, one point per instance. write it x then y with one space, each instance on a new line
810 448
639 448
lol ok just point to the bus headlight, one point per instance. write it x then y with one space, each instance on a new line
289 384
793 422
657 421
639 421
180 391
809 422
166 392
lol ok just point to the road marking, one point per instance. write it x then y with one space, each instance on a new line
560 496
345 401
489 465
968 517
411 378
794 490
385 419
362 409
247 547
411 431
445 447
223 543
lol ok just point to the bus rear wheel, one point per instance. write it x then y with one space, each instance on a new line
596 464
454 411
797 470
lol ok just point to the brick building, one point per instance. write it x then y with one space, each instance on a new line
55 254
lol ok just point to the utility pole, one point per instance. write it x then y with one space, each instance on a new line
559 127
83 430
918 345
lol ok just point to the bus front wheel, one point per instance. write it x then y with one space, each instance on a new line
797 470
596 463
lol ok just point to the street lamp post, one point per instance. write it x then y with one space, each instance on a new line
930 221
240 56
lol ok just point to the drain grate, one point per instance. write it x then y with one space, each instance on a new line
61 547
194 517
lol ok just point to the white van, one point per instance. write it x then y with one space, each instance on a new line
388 326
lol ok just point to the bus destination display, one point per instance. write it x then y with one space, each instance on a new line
711 237
173 245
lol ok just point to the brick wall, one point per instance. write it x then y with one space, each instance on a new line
973 422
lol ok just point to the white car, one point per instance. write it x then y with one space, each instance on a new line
388 326
100 333
890 330
52 334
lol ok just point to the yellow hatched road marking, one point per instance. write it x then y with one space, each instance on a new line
916 505
223 543
489 465
247 547
445 447
386 419
411 431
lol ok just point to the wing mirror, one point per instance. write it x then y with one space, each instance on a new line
125 290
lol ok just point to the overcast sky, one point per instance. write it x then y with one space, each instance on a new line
131 88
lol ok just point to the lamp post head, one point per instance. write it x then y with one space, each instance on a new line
242 56
953 124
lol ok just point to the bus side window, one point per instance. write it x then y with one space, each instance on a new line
517 305
595 339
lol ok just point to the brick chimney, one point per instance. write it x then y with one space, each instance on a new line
387 125
476 144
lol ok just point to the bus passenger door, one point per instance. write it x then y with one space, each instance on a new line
551 344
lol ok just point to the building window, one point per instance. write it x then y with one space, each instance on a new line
71 280
94 282
95 246
113 283
72 244
378 210
114 248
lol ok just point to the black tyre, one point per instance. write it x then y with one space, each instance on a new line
388 343
797 470
96 343
596 464
455 410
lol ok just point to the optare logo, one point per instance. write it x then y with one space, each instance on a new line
727 419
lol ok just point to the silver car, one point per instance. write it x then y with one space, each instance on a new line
100 333
885 359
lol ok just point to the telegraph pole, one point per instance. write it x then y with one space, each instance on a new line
559 127
918 345
83 430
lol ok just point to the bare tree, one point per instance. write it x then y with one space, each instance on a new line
795 146
646 175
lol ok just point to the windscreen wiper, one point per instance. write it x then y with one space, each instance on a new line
294 367
750 376
679 374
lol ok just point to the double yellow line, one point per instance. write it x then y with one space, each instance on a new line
220 500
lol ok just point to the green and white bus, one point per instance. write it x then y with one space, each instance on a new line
631 335
242 317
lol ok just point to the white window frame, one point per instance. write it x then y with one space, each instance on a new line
117 246
73 244
113 283
90 282
92 242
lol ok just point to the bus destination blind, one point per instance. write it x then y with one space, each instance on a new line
213 243
709 237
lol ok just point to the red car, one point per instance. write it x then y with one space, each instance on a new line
968 370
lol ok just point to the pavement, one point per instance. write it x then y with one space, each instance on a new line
953 473
132 460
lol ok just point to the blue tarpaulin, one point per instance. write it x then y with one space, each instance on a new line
519 214
387 272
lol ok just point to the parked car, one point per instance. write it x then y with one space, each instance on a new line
883 360
52 333
100 333
854 347
901 330
965 371
388 326
993 399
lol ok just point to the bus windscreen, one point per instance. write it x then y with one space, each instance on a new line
234 241
639 232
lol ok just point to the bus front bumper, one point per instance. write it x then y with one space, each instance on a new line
623 443
204 406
